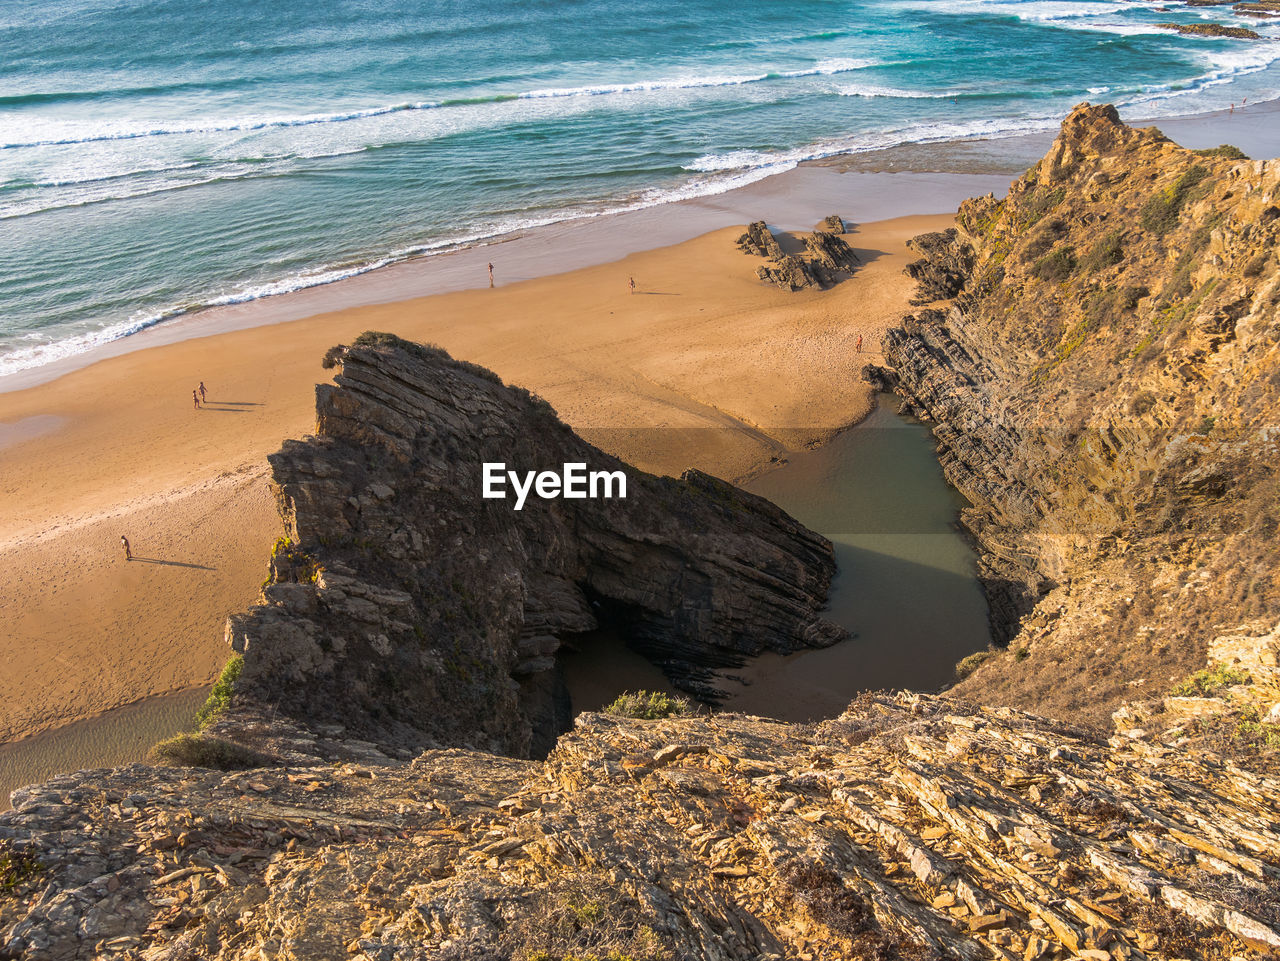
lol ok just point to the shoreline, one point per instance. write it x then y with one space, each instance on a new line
592 240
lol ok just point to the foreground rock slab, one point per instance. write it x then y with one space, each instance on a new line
909 827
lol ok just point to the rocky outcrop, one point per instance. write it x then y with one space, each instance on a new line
1267 9
407 610
1212 30
943 267
1105 387
909 828
827 256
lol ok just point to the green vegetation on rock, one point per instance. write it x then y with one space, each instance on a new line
16 867
1055 266
1107 252
220 697
1160 213
1209 682
1225 150
649 705
971 663
202 750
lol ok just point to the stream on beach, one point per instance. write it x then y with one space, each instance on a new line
117 737
905 590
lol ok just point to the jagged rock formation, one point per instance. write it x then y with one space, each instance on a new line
1265 9
1212 30
405 610
760 241
1106 389
827 256
909 828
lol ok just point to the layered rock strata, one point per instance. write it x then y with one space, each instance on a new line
826 259
908 828
1105 386
405 609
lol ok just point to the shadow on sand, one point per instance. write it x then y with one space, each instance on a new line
157 560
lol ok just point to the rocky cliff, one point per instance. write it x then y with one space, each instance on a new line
908 828
405 610
1101 359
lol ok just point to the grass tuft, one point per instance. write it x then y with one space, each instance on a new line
220 696
650 705
201 750
1160 213
1207 683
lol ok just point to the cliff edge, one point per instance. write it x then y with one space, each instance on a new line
911 828
1100 355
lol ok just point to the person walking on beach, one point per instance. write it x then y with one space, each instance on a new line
124 542
633 285
858 349
201 389
491 273
195 397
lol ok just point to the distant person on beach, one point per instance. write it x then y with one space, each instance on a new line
633 285
201 389
124 542
490 274
858 349
195 397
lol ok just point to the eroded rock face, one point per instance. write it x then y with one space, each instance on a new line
910 827
827 256
1106 391
407 610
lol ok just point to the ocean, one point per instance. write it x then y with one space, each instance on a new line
157 156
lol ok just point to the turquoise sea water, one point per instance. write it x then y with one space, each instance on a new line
157 156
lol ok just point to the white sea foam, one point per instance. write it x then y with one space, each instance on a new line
74 133
46 351
77 132
873 90
822 68
639 86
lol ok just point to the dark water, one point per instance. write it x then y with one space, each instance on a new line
119 737
905 589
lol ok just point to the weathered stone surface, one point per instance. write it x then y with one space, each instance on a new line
1105 389
1212 30
831 224
411 611
827 256
910 827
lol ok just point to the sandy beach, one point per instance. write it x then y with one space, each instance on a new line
703 366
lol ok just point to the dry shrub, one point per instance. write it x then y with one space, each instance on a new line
1179 936
582 917
819 891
